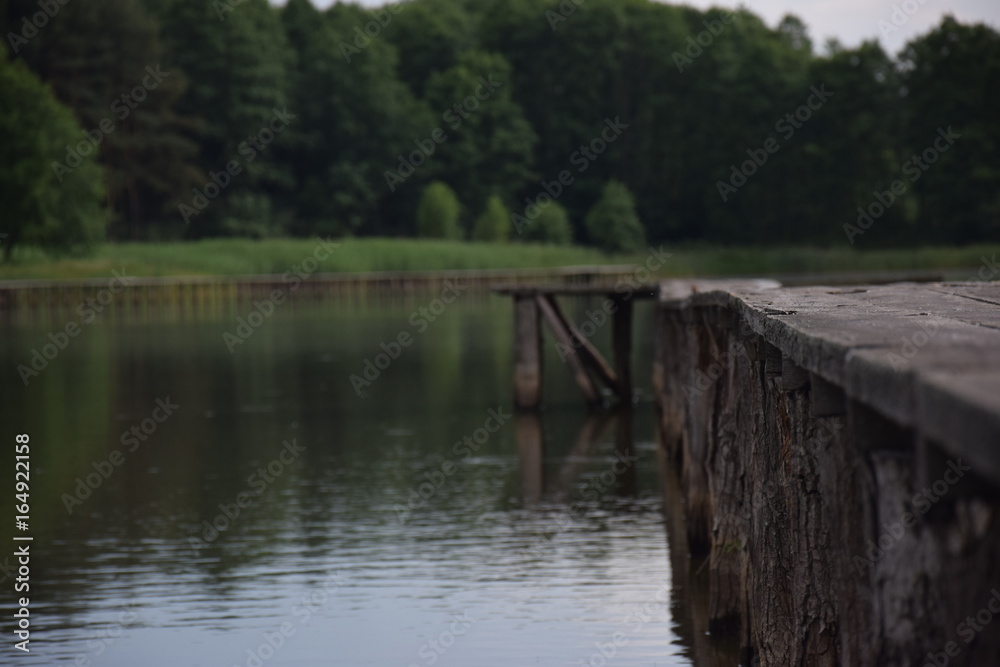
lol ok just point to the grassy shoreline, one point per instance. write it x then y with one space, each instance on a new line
222 257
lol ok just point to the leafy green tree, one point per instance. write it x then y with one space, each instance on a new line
490 146
795 33
951 78
551 225
430 36
103 60
612 223
356 119
40 207
674 102
692 91
570 75
437 214
493 224
853 140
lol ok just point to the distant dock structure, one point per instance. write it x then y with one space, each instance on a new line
537 304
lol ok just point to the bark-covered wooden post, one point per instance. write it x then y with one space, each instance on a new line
527 353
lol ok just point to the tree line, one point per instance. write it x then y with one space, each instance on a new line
611 122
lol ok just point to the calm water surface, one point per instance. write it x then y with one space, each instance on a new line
418 524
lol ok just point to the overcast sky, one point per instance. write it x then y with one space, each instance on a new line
850 21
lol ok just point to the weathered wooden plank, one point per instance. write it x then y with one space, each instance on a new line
589 353
569 352
642 291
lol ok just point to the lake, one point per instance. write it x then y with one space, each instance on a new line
201 497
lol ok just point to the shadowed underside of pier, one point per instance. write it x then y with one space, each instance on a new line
839 456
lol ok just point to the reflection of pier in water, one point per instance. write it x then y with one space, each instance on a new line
706 645
531 455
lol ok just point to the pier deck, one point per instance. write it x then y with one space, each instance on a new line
838 453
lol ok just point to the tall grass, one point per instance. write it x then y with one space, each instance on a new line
242 256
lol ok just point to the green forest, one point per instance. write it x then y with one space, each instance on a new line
611 123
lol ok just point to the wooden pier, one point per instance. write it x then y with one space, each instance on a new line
838 459
534 304
836 449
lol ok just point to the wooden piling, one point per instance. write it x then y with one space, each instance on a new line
527 353
622 343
